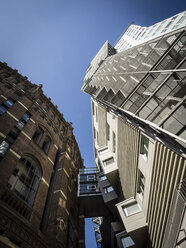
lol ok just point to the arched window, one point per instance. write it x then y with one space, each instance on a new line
37 135
46 144
25 179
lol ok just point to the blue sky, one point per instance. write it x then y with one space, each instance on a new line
53 41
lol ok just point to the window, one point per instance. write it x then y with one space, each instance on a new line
9 103
37 135
108 131
97 137
113 142
96 114
25 179
6 105
24 119
141 184
91 188
58 123
93 108
102 178
127 242
2 109
131 209
5 144
108 161
46 109
46 144
103 150
181 19
108 189
39 102
90 178
144 145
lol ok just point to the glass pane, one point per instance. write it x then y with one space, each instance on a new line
176 123
26 117
4 147
9 103
20 125
2 110
127 242
131 209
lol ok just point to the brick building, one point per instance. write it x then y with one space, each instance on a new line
39 162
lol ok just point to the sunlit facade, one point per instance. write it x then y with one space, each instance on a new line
139 119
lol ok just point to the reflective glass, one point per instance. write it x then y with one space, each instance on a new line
2 110
9 103
20 125
4 147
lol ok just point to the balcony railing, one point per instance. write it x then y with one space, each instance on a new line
90 170
15 204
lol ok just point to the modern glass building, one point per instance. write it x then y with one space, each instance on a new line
138 115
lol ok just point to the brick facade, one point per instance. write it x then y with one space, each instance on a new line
54 213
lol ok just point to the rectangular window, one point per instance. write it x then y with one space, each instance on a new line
9 103
127 242
181 19
144 145
113 142
108 131
94 133
2 109
6 105
103 150
5 144
93 108
24 119
90 178
108 189
141 184
96 114
102 178
131 209
108 161
91 188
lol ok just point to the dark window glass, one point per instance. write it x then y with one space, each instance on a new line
25 179
4 146
26 117
20 124
2 109
9 103
38 135
46 144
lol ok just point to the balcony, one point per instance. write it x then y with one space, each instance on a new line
89 194
88 184
12 202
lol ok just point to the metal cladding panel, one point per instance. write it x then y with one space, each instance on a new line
175 219
128 142
168 171
102 119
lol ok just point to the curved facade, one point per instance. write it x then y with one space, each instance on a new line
39 162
